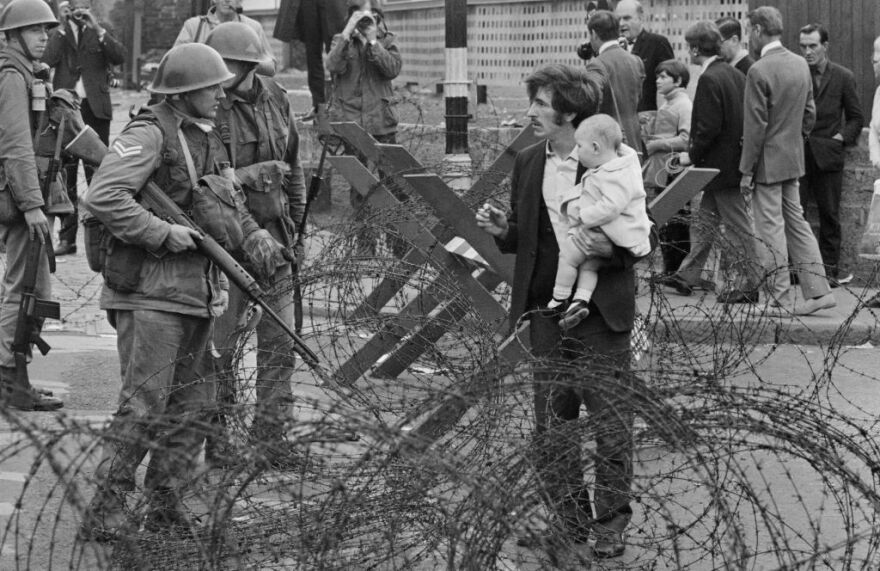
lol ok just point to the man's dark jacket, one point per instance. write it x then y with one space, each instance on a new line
653 49
717 123
744 64
290 24
530 236
836 93
88 57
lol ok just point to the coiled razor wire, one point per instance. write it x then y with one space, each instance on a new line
732 470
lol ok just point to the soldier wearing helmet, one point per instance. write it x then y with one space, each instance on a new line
25 24
197 28
160 294
255 123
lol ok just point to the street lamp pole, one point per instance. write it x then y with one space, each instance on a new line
456 88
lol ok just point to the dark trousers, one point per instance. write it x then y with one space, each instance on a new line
70 222
317 36
589 366
824 188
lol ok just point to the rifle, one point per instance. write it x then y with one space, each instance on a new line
314 188
88 147
31 311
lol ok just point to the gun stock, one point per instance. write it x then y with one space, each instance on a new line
89 147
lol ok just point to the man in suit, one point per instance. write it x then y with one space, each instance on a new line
82 52
715 142
732 49
839 121
561 97
779 110
315 22
626 73
874 136
651 48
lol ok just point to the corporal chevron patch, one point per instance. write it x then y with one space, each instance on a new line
125 152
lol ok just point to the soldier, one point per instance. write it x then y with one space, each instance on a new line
25 24
159 293
255 122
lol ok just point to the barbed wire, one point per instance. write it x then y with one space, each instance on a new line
734 467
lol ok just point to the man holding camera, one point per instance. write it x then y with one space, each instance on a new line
82 53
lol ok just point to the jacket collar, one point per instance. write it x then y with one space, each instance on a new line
19 59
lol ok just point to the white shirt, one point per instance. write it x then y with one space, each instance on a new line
607 45
707 63
770 46
560 175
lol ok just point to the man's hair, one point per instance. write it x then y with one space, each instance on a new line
769 18
816 27
676 70
603 128
605 24
704 36
729 27
640 10
573 90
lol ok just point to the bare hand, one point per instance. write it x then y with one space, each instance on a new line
352 23
181 238
684 159
493 220
746 186
37 223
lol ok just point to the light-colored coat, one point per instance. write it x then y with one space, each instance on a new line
779 113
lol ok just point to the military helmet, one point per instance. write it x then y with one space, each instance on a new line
236 41
25 13
188 67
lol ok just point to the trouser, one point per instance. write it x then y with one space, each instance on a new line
601 382
824 188
368 235
275 357
17 245
779 221
317 37
70 222
675 241
725 206
164 402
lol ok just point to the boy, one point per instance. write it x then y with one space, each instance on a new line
608 207
670 130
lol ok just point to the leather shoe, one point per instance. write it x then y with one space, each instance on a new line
815 304
64 248
874 302
575 313
677 283
836 282
738 296
609 536
553 537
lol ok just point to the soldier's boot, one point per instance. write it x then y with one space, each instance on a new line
105 518
274 450
22 396
165 512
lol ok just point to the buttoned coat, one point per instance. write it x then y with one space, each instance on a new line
653 49
836 93
779 113
289 25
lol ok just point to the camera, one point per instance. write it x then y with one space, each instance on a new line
366 22
79 14
585 51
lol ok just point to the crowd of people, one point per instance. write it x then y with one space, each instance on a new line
219 138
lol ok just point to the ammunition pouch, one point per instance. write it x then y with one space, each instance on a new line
122 264
264 188
214 210
94 234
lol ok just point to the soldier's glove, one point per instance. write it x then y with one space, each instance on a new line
265 253
220 303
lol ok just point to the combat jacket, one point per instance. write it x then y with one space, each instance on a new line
18 167
362 75
262 130
183 283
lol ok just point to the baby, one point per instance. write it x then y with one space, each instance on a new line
607 208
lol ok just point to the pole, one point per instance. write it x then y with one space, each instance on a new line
456 85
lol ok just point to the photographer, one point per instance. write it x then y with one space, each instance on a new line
82 52
363 60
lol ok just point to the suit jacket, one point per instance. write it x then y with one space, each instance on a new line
530 236
717 123
745 64
290 24
779 113
652 49
597 72
626 73
835 99
87 58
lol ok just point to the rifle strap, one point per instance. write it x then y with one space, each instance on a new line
187 157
